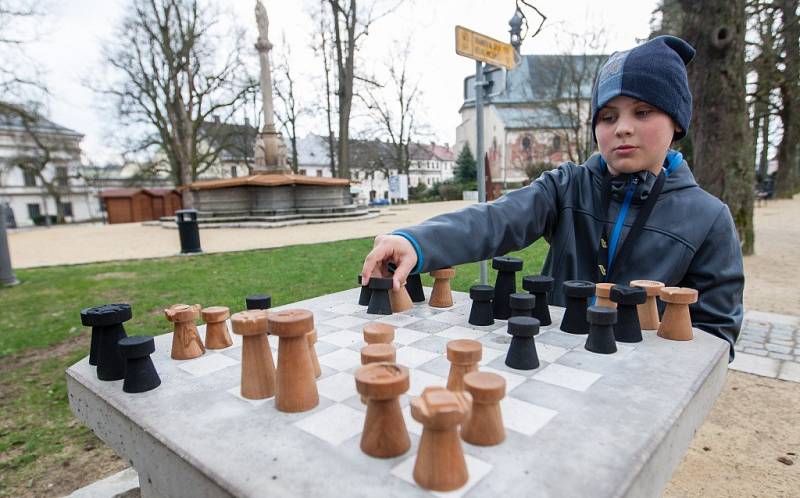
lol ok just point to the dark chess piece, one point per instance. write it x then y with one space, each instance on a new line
140 373
627 328
481 312
521 304
363 297
505 285
258 302
107 329
601 330
539 286
578 293
379 303
522 353
414 288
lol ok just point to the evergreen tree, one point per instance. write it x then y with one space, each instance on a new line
466 170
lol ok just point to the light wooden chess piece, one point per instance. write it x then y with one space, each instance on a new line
297 387
258 368
217 336
186 343
376 353
485 424
440 464
312 351
378 333
603 293
648 312
400 300
385 433
464 355
441 295
677 323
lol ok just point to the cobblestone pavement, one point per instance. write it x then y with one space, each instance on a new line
769 345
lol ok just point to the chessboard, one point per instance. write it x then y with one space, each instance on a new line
582 424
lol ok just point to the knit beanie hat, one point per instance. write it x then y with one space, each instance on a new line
654 72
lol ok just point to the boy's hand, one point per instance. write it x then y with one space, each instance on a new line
386 249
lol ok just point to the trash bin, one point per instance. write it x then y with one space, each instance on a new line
188 230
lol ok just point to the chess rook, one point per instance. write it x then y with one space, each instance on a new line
217 336
485 424
627 299
440 464
378 333
602 292
521 304
539 286
577 293
364 295
186 343
258 368
522 353
505 284
385 434
481 312
258 302
676 324
648 312
601 330
297 387
312 352
107 329
140 373
414 288
442 295
399 299
379 303
376 353
464 355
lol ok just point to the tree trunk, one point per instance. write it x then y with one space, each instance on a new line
722 161
786 183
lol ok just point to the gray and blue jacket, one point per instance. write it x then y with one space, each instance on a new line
689 239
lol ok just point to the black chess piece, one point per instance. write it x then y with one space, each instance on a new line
481 312
521 304
106 322
627 328
539 286
379 296
577 293
363 297
414 288
522 353
258 301
505 285
140 373
601 330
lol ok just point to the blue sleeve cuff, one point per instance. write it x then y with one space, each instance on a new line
408 237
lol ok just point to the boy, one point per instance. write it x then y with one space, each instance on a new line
633 211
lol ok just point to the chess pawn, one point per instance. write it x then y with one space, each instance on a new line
107 329
440 464
521 304
505 284
297 388
627 298
414 288
385 434
363 296
217 336
399 299
140 373
648 312
577 293
186 343
379 303
522 354
258 368
676 324
601 330
539 286
442 295
312 352
377 353
481 312
485 424
258 302
464 355
378 333
602 292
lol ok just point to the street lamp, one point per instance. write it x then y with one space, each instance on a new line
516 30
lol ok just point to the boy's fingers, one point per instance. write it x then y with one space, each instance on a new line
404 267
370 263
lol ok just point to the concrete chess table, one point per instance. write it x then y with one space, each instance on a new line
582 424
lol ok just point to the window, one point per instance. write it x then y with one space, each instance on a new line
29 177
319 172
234 173
302 171
526 143
556 143
61 176
66 208
34 211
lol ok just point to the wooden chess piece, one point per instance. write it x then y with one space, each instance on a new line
140 373
378 333
385 434
297 387
312 351
485 424
107 330
464 355
376 353
217 336
399 299
186 343
505 284
676 324
648 312
539 286
441 295
258 369
603 293
440 464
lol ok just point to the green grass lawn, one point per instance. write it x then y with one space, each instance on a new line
41 333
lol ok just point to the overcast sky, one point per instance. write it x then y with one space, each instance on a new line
69 49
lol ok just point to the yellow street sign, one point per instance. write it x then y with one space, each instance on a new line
480 47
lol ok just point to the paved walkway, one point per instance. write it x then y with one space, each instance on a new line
769 345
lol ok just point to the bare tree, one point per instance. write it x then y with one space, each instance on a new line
290 110
786 183
20 79
322 46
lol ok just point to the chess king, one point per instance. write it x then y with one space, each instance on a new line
631 211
